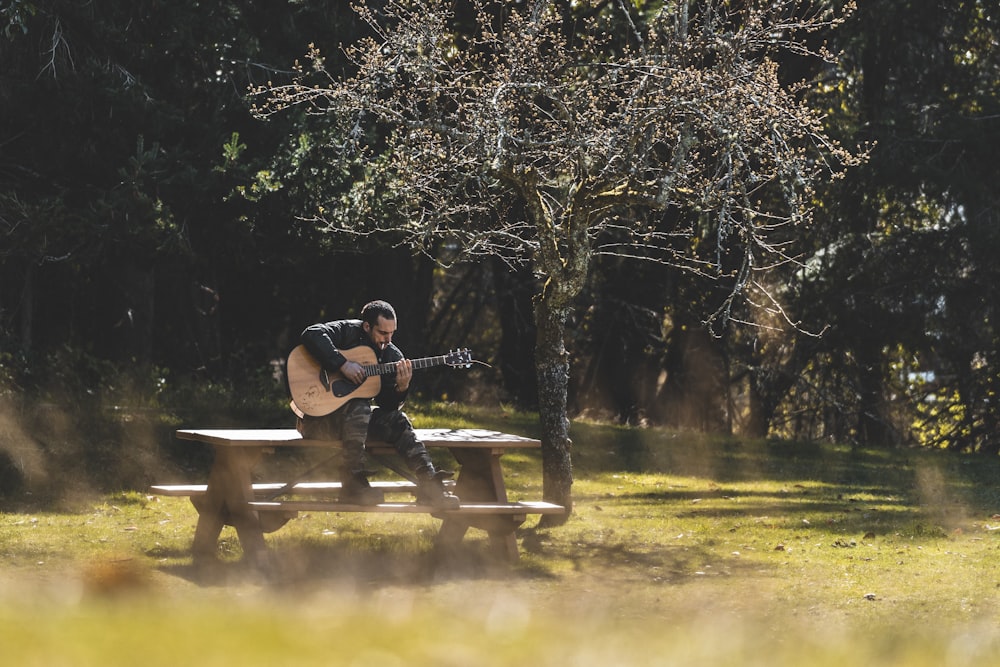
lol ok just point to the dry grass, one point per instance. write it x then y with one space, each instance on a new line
683 550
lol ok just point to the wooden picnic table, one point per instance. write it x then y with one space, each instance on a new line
231 498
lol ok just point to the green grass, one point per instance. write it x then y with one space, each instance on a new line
682 550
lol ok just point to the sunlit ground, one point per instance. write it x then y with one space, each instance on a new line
680 552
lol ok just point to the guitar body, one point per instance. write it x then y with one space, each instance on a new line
316 392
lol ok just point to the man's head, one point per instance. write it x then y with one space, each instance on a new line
378 319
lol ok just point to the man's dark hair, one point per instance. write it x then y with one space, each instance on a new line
375 309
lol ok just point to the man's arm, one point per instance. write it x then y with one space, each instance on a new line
323 342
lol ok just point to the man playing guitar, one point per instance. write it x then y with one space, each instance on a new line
330 345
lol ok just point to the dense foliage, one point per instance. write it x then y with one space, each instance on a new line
154 233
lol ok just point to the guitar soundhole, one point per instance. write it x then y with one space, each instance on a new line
342 388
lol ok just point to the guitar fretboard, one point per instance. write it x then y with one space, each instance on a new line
390 369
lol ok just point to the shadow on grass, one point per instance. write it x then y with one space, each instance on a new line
308 564
653 564
305 567
728 459
933 480
841 515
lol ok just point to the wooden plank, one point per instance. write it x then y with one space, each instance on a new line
302 487
526 507
178 489
284 437
250 437
473 437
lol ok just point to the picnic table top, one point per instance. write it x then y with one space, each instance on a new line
431 437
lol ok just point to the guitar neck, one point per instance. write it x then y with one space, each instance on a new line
390 368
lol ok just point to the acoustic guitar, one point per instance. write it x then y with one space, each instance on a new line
317 392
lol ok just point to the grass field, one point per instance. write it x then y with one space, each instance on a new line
682 550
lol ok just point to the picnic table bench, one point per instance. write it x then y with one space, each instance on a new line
230 496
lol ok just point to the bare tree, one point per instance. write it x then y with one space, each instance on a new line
669 137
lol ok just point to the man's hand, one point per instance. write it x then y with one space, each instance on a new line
404 373
353 371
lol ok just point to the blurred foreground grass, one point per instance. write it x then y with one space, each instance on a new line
683 550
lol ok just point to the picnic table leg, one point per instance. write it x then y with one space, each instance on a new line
230 488
481 480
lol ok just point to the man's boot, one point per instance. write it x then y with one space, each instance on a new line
355 489
431 491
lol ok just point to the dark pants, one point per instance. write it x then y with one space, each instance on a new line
355 422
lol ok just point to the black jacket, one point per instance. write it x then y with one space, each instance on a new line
325 340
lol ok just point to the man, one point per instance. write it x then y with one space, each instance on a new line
355 421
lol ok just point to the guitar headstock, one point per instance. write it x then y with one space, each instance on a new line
459 358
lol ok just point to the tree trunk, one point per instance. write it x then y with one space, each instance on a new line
760 410
872 425
552 367
26 328
563 261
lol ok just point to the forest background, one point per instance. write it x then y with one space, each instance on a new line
159 250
